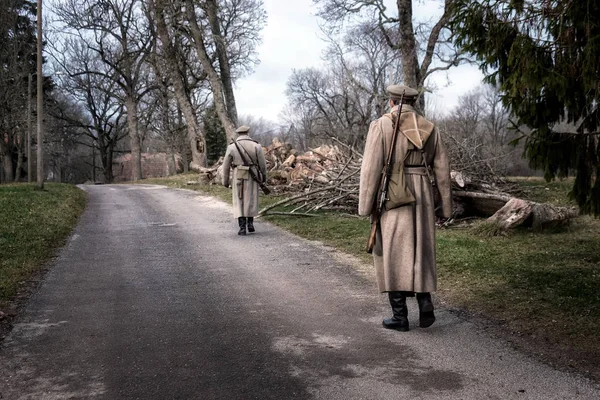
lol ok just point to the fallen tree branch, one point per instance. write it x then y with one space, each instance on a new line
293 214
290 199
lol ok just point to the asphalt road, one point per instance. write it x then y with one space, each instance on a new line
156 297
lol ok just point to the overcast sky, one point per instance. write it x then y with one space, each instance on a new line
291 39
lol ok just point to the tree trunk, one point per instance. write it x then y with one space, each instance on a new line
194 131
514 213
93 163
102 149
20 162
171 163
108 163
186 164
215 82
40 100
408 44
221 49
415 74
7 163
59 170
29 156
134 138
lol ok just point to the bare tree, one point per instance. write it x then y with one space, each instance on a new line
345 97
424 48
302 125
216 84
477 136
212 12
496 120
178 78
262 130
164 123
231 38
98 114
116 31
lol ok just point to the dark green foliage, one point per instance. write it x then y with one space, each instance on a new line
216 139
17 45
17 60
544 58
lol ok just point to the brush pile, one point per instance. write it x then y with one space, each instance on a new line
327 177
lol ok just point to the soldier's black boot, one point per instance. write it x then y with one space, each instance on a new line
399 320
242 223
426 315
250 224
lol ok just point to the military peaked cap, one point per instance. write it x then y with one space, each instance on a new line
395 92
243 129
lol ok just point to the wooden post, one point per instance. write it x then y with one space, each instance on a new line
29 159
40 100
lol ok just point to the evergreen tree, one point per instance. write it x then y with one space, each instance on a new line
216 139
544 56
17 61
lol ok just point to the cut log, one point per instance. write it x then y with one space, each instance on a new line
509 212
460 179
514 213
539 216
289 161
544 216
218 176
479 204
195 167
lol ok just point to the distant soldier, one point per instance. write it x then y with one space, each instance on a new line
404 251
250 162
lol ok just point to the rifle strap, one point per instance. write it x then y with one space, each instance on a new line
260 176
427 167
392 150
237 145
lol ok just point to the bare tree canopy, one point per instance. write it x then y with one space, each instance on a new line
117 32
230 37
344 98
424 47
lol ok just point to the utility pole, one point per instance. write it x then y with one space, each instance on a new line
40 100
93 162
29 159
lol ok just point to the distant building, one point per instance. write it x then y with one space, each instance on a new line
153 166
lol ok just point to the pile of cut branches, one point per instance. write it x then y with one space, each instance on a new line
327 178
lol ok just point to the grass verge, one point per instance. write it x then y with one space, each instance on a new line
542 288
33 224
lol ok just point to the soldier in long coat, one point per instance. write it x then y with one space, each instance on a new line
245 187
404 254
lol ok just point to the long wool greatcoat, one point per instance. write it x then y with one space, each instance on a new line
245 189
404 253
